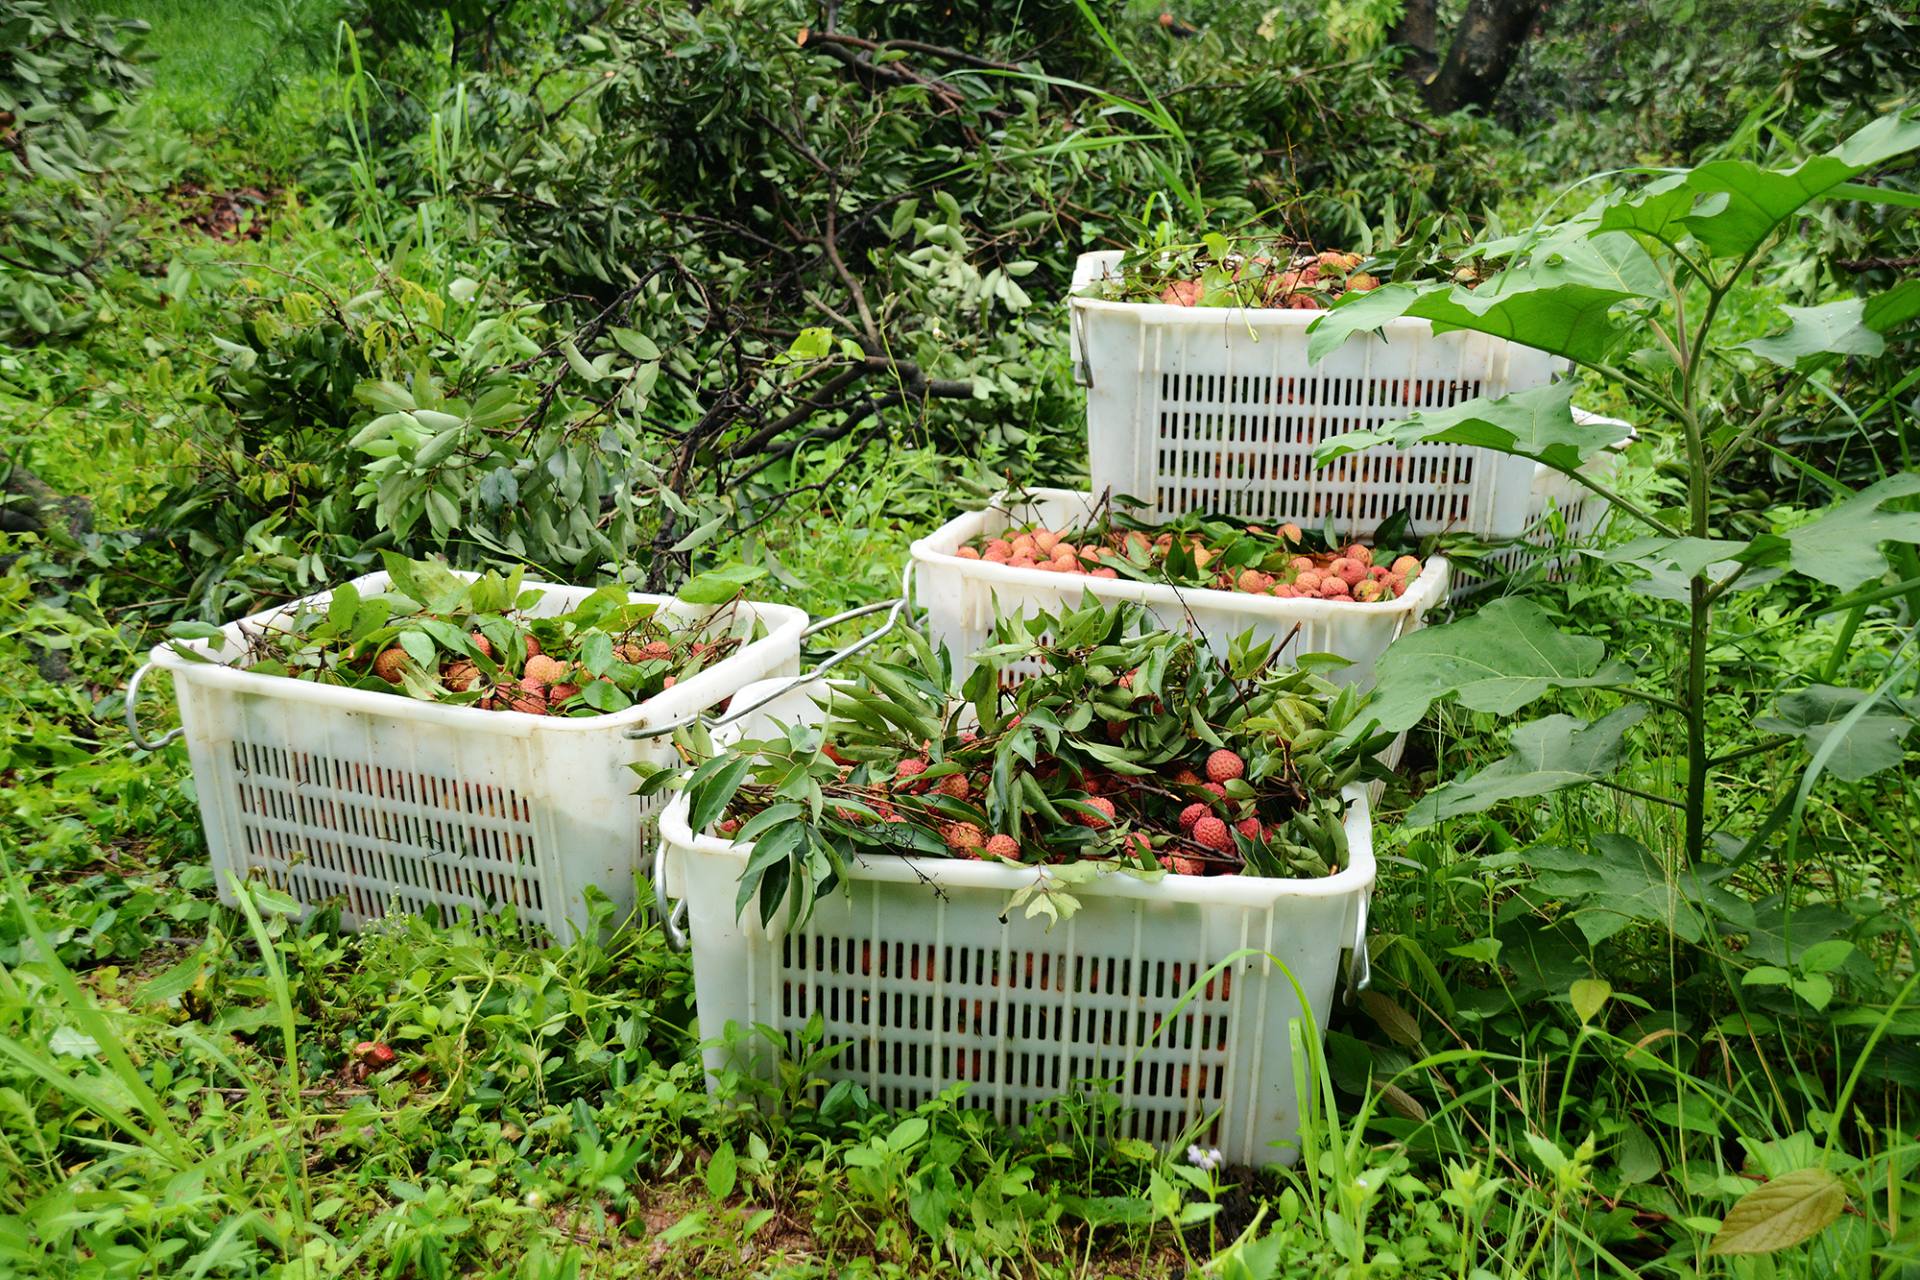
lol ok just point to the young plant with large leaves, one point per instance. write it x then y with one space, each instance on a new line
1632 289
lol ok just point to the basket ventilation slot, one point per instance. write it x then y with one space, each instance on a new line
1242 445
322 827
917 1017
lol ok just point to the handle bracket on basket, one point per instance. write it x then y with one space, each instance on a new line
672 915
1359 964
133 715
895 608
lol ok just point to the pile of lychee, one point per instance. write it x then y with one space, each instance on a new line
1187 823
543 684
1350 574
1308 281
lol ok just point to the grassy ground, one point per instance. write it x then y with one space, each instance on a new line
1548 1078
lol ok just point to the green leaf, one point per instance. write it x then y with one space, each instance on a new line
1547 755
428 583
1498 659
419 647
1780 1214
722 1172
1618 881
1537 424
1758 200
714 794
1870 744
1568 319
717 586
604 695
1842 547
1849 327
1589 996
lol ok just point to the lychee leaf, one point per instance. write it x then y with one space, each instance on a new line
1498 659
1547 754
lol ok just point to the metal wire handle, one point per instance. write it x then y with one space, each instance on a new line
1359 964
672 916
895 608
133 718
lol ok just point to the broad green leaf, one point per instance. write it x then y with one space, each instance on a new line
1547 754
1780 1214
1849 327
1618 881
1842 547
1569 319
1870 744
1498 659
1589 996
1537 424
1758 200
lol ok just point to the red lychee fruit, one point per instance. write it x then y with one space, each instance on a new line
1224 765
1407 567
388 664
533 647
1105 806
1253 582
543 670
1211 833
1192 814
962 837
1185 864
954 784
1187 778
907 770
1106 573
1250 828
1334 589
460 676
1004 847
1361 552
967 553
1347 570
1369 591
559 693
481 645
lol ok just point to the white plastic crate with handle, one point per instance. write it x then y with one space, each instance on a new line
963 598
386 802
1217 410
914 966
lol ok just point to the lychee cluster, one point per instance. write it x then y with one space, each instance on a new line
1306 281
544 684
1348 575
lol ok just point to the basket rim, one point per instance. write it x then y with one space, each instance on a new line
937 548
784 624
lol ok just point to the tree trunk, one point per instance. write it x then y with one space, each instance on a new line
1482 53
1417 33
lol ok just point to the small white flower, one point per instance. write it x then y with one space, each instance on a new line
1208 1158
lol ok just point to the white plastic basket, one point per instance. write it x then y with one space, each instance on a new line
911 964
1581 513
387 802
963 598
1217 409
